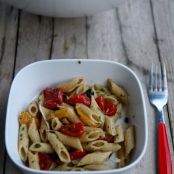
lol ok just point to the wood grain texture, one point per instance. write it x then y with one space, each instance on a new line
69 38
136 33
103 36
163 13
33 44
135 40
8 29
34 39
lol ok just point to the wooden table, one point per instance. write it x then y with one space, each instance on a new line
136 33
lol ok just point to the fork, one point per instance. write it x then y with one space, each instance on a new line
158 96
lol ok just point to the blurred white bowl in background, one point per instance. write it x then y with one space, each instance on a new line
63 8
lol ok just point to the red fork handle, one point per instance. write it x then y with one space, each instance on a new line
164 155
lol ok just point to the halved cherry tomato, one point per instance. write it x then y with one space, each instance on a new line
108 107
45 161
109 138
101 102
79 99
77 154
73 130
52 97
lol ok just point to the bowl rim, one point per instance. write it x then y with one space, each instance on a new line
27 169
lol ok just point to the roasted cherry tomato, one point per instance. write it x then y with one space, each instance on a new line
101 102
73 130
79 99
52 97
108 107
109 138
77 154
45 161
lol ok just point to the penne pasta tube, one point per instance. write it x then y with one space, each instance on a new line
70 85
118 112
121 156
101 90
59 148
33 160
102 145
119 92
56 124
110 125
23 142
73 142
111 98
88 116
46 113
33 109
97 167
33 132
94 106
80 90
94 158
129 139
67 111
43 130
119 137
92 134
41 147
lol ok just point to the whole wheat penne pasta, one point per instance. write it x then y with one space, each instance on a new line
59 148
102 145
33 160
88 116
70 85
101 90
43 131
119 92
129 139
110 125
56 124
92 134
73 142
119 137
80 90
122 156
33 108
94 158
33 132
94 106
23 142
67 111
41 147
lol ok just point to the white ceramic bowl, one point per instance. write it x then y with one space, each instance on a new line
64 8
33 78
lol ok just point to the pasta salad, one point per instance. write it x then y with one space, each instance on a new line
73 127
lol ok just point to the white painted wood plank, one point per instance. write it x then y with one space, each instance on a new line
163 12
137 49
69 38
104 39
34 43
34 39
8 28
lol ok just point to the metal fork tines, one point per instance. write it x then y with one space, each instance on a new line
158 92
